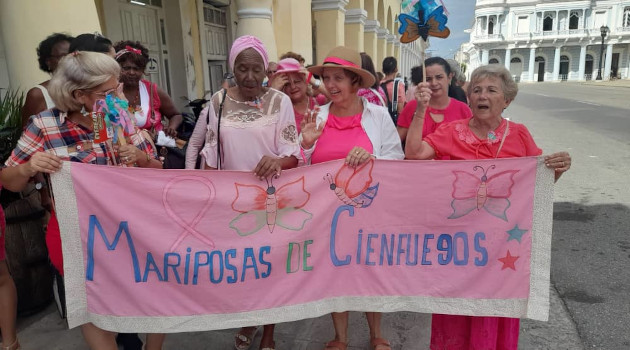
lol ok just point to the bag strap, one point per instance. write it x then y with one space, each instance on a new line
219 128
388 105
507 128
395 93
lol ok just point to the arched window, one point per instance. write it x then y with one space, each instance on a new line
574 20
626 17
493 61
564 58
491 26
548 24
515 60
539 59
589 57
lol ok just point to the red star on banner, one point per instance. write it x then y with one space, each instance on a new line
508 261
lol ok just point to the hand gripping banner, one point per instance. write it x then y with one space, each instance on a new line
150 250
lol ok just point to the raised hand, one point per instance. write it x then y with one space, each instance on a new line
422 96
310 131
278 81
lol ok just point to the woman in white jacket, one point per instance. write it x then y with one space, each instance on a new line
349 128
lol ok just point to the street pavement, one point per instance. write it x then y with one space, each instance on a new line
591 241
590 289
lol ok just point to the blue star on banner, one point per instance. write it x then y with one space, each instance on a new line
516 233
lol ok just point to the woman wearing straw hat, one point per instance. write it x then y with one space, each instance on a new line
350 128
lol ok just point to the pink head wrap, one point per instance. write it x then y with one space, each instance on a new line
248 42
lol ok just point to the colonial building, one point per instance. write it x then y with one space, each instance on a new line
189 40
551 40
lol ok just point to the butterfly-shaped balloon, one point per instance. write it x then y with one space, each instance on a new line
413 28
353 186
490 193
270 207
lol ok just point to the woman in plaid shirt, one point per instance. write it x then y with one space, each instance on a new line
66 133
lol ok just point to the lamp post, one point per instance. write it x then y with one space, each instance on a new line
604 31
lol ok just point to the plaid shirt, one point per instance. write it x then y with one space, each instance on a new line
50 131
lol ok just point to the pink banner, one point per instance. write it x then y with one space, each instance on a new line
169 251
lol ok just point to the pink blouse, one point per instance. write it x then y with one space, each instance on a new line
339 136
457 141
249 132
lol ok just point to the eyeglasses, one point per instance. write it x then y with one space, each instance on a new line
110 92
270 72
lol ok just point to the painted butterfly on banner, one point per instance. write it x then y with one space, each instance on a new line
490 193
413 28
270 207
352 185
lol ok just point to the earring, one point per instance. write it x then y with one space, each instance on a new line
84 112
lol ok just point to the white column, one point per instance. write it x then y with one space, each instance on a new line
508 54
557 24
583 18
582 65
556 65
532 58
608 62
484 56
254 18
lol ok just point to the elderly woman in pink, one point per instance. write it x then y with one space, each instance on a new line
251 128
290 78
487 135
350 128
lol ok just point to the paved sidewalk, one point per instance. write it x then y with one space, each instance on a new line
609 83
405 330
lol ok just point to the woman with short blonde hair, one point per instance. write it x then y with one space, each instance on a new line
66 132
82 71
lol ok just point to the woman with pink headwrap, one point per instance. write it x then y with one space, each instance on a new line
250 128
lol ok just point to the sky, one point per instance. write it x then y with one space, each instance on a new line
461 14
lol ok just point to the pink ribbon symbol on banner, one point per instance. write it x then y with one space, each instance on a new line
189 228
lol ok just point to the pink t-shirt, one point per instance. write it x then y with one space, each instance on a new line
454 111
339 136
401 91
372 96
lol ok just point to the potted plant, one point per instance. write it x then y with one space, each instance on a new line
10 121
10 131
27 255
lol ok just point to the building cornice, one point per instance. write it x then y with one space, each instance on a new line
254 12
356 16
327 5
371 26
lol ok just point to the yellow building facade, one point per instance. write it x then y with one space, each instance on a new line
189 40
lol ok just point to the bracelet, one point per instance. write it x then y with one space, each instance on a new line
148 156
415 115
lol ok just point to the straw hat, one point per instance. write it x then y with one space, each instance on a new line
349 59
